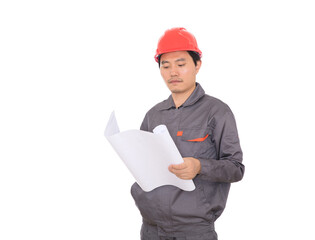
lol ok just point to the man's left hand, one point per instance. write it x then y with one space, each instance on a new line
186 170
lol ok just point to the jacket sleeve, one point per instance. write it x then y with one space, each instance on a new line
144 125
228 166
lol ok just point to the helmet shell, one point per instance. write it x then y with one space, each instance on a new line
176 39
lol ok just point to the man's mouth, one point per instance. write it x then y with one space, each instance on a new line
175 81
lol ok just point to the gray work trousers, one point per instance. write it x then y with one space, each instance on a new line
149 232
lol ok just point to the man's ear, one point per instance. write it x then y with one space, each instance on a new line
198 66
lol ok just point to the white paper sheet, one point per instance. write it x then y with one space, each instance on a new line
147 155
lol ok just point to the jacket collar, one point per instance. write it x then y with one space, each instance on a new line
192 99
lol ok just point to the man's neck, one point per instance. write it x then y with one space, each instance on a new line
180 98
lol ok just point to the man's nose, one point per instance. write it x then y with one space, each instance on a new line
174 72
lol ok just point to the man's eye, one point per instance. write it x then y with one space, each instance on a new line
181 65
165 67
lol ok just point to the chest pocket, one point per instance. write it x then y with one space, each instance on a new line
196 143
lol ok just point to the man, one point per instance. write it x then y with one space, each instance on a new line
204 131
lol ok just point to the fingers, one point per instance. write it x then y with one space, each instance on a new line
176 171
181 171
178 166
186 170
184 177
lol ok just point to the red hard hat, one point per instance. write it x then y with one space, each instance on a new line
176 39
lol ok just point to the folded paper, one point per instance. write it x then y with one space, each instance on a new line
147 155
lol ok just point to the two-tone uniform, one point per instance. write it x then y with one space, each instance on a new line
204 128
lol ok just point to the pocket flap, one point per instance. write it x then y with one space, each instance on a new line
195 135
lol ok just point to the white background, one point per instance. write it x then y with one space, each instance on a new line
65 65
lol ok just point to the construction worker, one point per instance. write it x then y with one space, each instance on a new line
204 131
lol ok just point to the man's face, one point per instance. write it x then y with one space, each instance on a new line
179 71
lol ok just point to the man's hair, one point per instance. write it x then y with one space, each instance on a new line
195 56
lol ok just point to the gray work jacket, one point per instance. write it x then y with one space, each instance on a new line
204 128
